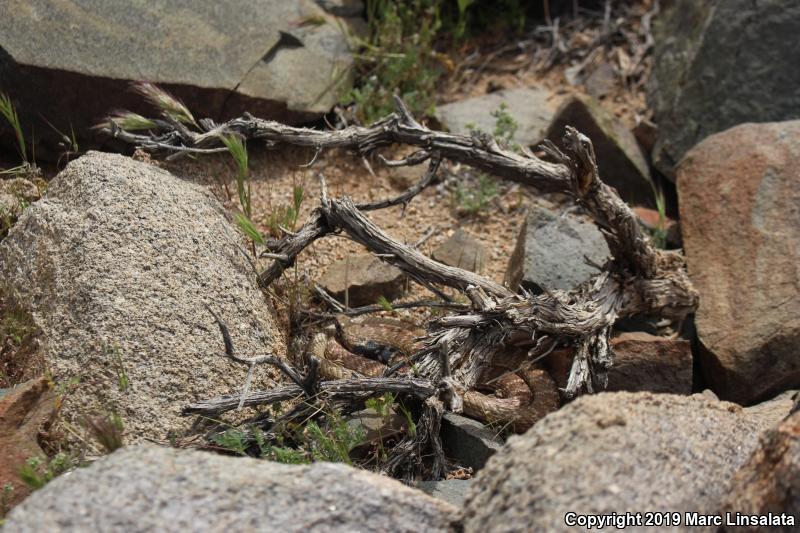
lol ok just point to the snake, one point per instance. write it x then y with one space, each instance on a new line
365 346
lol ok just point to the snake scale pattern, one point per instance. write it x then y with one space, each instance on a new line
363 347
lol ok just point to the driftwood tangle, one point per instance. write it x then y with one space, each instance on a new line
638 280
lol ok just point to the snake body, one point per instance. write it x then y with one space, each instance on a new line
364 347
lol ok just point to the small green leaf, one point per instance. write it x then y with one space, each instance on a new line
249 229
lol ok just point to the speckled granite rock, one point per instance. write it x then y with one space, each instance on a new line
115 266
147 488
613 452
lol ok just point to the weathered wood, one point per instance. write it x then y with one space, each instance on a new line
638 280
420 388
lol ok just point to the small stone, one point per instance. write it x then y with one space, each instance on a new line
532 108
149 488
468 441
621 163
375 426
462 250
24 411
453 491
15 194
364 278
405 177
602 81
342 8
550 252
642 362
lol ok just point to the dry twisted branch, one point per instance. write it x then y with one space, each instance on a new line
639 279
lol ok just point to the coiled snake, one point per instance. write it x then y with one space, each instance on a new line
365 346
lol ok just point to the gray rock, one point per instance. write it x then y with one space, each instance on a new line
365 278
770 481
342 8
613 452
452 491
405 177
741 233
15 194
739 54
620 161
771 412
550 252
274 59
115 266
376 427
468 441
462 250
642 362
147 488
531 107
602 81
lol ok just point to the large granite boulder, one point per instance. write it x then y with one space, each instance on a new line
769 483
613 452
741 233
720 63
115 266
551 252
278 60
147 488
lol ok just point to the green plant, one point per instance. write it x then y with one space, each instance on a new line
472 200
172 108
412 426
461 26
382 405
505 127
238 150
38 471
398 56
286 216
385 304
108 430
5 500
17 331
115 354
279 454
249 229
335 441
9 112
233 440
659 233
129 121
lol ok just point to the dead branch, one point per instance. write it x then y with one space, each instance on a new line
639 279
342 388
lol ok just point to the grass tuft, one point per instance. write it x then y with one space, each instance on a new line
170 106
9 112
238 150
129 121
